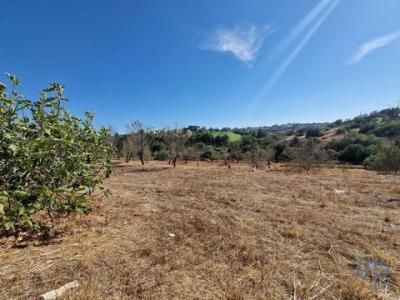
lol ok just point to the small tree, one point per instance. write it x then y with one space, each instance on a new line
128 148
256 155
188 154
269 156
313 132
235 151
175 140
198 149
225 155
307 155
140 138
280 151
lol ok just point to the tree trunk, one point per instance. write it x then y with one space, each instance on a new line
127 157
174 162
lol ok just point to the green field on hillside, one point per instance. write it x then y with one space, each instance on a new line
233 137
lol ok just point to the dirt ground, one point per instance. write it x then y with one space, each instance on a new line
209 232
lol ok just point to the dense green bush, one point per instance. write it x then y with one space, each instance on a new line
340 131
386 160
209 153
221 141
279 152
390 129
50 161
354 148
367 127
354 153
313 132
353 138
161 155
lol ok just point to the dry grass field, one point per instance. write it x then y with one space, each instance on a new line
209 232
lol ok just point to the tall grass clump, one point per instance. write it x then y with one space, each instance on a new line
50 160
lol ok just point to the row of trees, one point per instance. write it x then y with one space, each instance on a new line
200 144
184 144
145 144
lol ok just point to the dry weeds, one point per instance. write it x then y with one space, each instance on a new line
208 232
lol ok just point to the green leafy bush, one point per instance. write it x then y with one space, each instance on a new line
340 131
280 153
354 148
161 155
313 132
390 129
209 153
353 153
50 161
386 160
367 127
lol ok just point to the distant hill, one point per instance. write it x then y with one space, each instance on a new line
384 123
284 129
365 139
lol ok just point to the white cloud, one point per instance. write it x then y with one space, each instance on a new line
373 45
243 41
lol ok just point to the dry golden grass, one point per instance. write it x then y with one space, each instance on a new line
208 232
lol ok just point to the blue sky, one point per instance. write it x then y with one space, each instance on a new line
212 63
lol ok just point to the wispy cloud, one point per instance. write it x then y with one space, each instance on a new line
372 45
243 41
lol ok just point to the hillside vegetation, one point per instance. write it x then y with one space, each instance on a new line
371 140
233 137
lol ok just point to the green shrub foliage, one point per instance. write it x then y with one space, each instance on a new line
313 132
50 161
355 148
387 160
390 129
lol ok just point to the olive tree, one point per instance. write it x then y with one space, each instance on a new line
128 148
175 140
139 140
307 155
255 155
